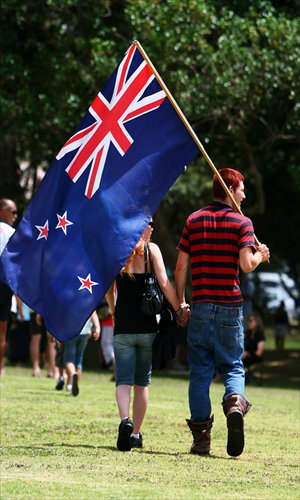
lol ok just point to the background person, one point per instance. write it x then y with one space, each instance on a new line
74 351
50 357
247 287
38 342
60 365
8 216
215 241
281 326
19 334
254 343
37 336
107 334
134 334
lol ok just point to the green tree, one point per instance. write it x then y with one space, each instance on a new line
57 54
233 67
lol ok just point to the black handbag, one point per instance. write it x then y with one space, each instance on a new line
152 299
164 345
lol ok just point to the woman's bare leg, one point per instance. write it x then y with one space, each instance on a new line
123 400
34 349
140 404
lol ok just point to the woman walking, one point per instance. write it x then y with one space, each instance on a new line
134 334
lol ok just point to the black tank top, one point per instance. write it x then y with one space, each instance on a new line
128 315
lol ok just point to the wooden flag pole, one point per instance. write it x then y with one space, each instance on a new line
190 129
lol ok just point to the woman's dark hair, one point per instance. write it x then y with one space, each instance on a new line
258 319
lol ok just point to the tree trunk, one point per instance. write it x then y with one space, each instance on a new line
9 170
259 207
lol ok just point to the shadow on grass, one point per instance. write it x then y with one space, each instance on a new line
280 369
114 449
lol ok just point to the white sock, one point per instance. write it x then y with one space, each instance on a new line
136 436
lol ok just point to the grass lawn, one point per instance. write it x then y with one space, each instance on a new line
56 446
292 340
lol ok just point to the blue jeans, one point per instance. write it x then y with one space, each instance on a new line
133 358
215 343
74 350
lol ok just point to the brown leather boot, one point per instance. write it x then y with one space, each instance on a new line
201 435
235 406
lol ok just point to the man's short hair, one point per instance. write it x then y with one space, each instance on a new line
231 177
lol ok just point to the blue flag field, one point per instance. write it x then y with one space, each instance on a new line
96 198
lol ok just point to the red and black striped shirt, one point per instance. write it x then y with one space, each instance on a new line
213 237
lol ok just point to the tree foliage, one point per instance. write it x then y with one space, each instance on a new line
235 70
233 67
56 55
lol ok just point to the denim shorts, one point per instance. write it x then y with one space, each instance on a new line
133 358
74 350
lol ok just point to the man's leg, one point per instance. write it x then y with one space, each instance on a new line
229 346
200 355
235 407
201 422
201 361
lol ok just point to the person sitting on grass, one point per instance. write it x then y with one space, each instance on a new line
254 343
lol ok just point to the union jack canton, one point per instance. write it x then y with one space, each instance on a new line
93 142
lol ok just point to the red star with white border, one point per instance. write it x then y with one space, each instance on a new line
44 231
63 222
87 283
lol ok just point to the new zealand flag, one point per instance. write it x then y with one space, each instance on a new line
96 198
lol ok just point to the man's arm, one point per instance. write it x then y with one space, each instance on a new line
181 271
249 260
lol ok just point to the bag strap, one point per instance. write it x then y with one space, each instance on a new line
148 259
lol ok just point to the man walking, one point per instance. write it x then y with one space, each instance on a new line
8 215
216 240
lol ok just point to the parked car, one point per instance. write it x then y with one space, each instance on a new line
272 288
